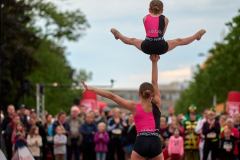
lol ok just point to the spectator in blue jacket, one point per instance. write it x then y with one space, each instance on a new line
88 129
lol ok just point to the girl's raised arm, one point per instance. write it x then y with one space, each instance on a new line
131 106
157 96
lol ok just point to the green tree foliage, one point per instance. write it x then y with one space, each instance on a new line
19 44
53 68
219 75
33 51
57 24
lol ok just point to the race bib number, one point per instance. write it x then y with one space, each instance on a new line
227 145
211 135
117 131
49 138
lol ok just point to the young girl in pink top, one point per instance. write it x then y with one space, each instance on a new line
18 136
175 146
101 139
156 25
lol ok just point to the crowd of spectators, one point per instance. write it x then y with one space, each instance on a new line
111 134
200 137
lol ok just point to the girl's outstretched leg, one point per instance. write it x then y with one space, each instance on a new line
131 41
185 41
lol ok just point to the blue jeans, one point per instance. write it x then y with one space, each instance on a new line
235 157
74 148
101 155
36 158
129 149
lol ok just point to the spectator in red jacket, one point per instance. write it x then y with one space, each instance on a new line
234 133
236 119
165 150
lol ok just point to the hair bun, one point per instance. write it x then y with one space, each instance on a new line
146 93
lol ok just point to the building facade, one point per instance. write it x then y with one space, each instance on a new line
169 95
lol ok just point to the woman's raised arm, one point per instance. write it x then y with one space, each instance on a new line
157 96
130 105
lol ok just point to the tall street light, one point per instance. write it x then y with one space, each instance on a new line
0 67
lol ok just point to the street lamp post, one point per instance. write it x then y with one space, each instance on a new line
0 69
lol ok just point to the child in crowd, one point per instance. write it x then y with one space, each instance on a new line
88 129
60 141
101 139
175 146
156 25
34 142
234 133
165 150
18 136
163 127
227 145
222 122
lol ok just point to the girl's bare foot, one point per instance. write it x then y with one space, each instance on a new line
115 33
200 34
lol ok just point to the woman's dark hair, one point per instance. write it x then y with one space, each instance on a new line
47 116
156 6
178 131
61 113
146 89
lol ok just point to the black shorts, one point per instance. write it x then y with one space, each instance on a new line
154 46
148 146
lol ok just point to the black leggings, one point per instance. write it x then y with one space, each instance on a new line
210 146
150 46
115 144
148 146
9 153
88 151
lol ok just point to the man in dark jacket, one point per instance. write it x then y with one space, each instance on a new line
8 135
8 118
5 122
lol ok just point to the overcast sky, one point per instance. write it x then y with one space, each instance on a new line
108 58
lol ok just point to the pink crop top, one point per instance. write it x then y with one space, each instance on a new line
147 122
154 26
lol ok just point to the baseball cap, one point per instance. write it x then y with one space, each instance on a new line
106 109
32 110
22 106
